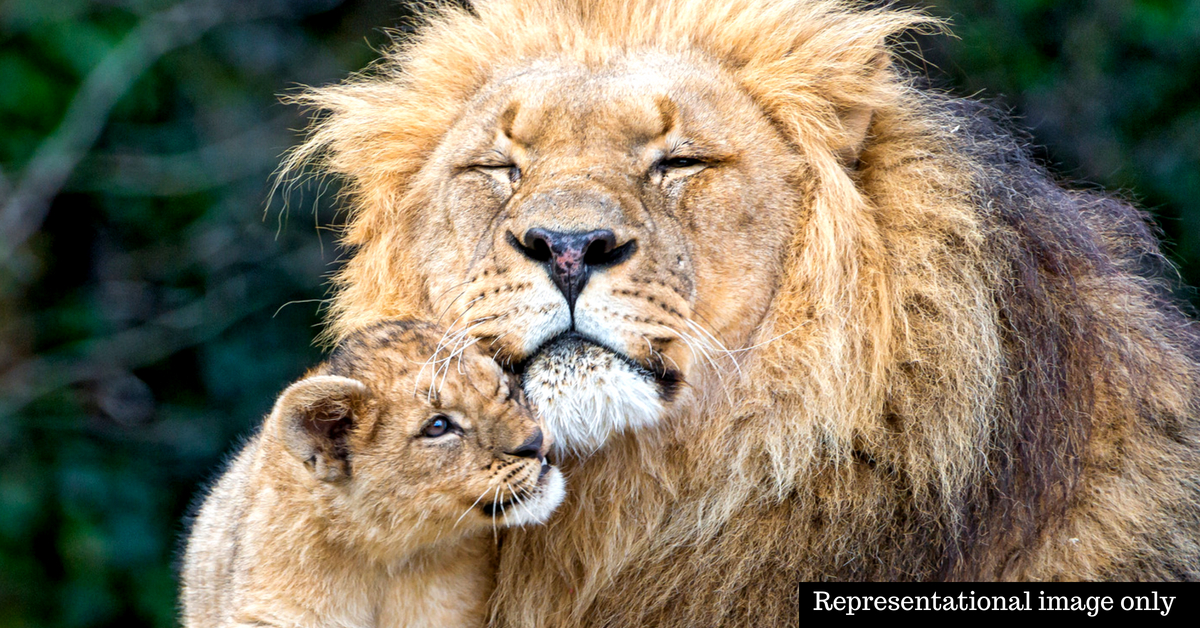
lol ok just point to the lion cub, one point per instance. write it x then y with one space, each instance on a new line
371 494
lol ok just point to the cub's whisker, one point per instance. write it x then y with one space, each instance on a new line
471 507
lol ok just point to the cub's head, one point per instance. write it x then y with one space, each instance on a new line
403 445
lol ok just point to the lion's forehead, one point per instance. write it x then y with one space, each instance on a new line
565 102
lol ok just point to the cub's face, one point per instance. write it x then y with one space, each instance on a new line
609 235
432 446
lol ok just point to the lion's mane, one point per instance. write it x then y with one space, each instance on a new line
968 372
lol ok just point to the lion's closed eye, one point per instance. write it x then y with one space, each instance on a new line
507 174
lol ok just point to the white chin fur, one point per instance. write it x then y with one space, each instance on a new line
586 394
537 509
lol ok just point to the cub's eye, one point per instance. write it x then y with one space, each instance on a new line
439 425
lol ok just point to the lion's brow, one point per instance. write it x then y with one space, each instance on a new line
508 118
667 113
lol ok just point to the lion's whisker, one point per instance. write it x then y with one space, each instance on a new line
451 327
660 354
770 340
435 301
437 350
449 305
717 345
701 348
461 344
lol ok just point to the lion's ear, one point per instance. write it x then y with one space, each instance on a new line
857 124
313 419
856 118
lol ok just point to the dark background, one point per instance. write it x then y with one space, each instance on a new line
153 301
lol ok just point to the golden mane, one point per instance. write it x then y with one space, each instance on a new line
968 371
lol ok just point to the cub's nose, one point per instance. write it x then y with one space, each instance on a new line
531 448
570 258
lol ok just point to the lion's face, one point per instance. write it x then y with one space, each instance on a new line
610 235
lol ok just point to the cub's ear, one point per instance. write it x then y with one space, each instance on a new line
313 419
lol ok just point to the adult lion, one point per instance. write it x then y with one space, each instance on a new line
789 316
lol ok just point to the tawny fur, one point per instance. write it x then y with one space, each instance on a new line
947 365
378 525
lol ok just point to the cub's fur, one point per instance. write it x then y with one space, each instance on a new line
371 494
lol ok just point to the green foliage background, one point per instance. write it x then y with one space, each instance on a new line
153 301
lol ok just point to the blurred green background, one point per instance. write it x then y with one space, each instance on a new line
153 302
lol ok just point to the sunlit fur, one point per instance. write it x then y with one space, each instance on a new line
964 370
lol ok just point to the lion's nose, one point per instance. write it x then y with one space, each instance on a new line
570 258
